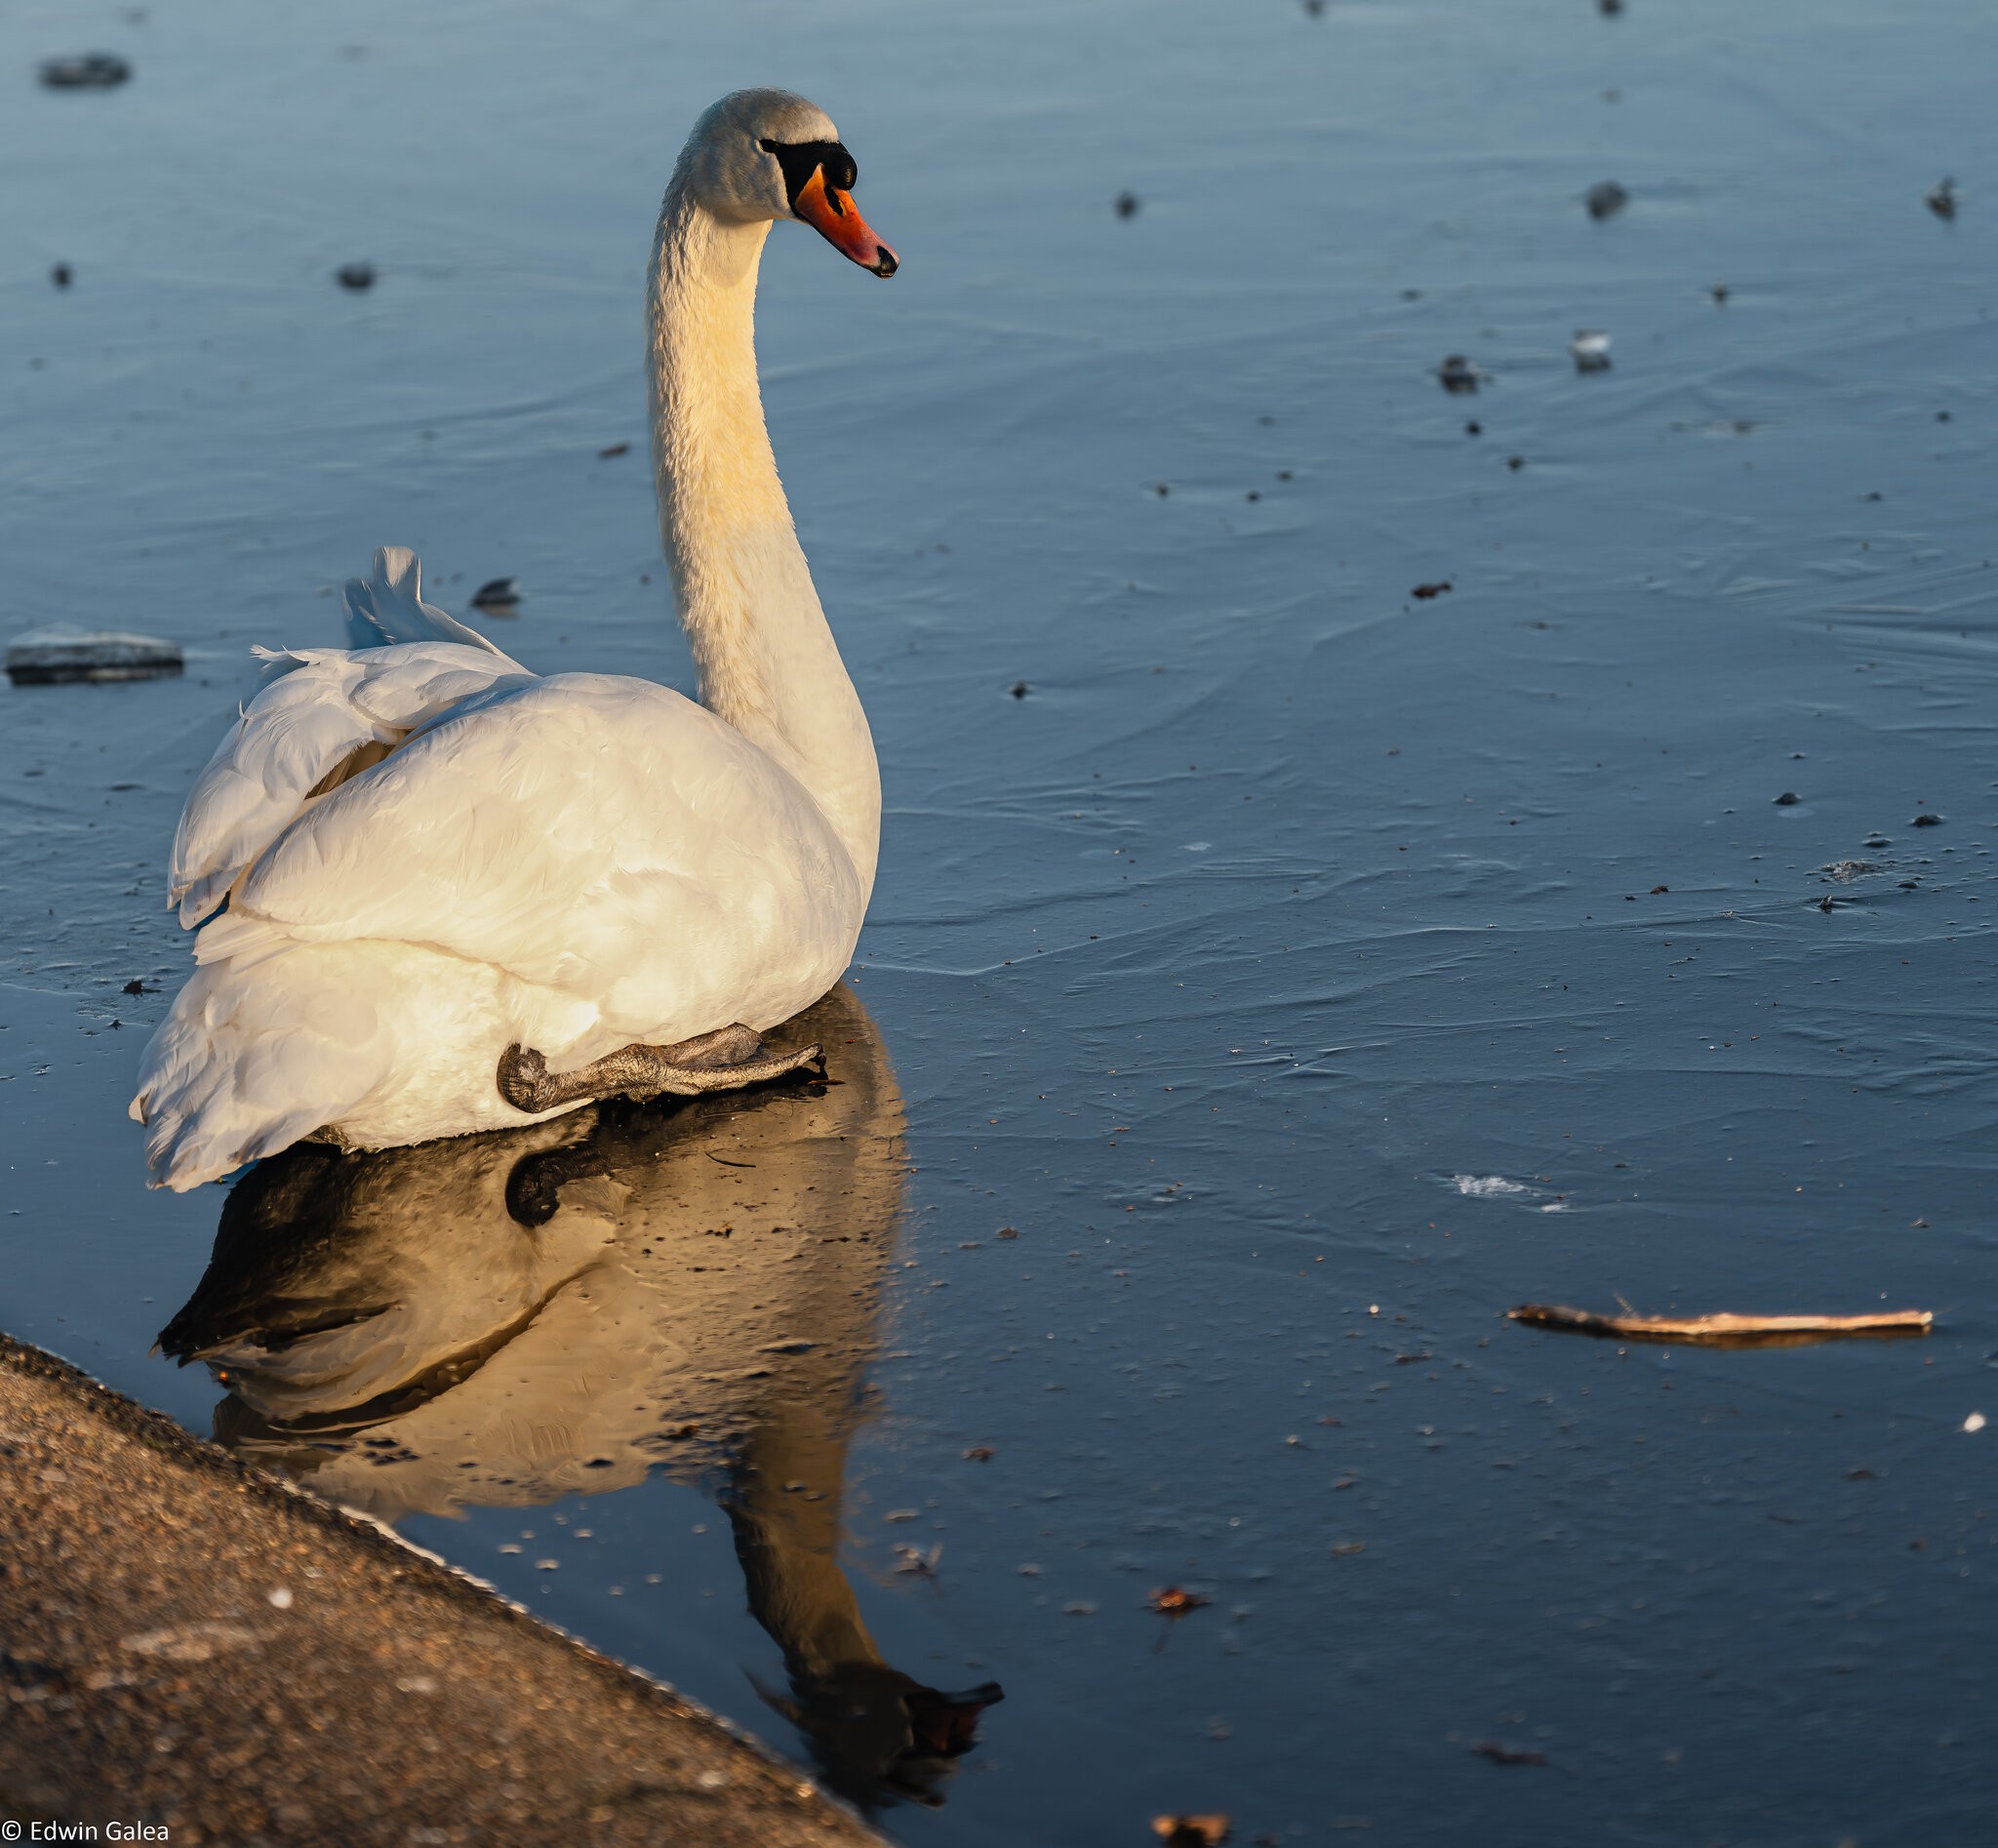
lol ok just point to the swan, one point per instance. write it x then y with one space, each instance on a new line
435 893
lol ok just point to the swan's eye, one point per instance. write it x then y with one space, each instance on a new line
800 160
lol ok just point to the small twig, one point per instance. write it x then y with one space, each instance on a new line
1505 1754
1723 1330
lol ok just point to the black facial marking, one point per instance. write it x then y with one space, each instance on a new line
800 160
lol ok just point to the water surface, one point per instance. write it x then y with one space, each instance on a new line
1298 972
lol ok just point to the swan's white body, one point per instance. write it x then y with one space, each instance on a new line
573 862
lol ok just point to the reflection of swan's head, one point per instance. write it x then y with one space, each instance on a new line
762 154
337 1282
882 1737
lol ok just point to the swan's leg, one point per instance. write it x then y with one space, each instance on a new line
726 1060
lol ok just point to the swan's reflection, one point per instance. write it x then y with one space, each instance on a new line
505 1319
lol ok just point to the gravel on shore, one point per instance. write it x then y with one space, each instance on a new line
191 1642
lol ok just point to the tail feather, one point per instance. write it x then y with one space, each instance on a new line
388 607
248 1060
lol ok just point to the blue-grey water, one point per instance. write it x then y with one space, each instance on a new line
1298 974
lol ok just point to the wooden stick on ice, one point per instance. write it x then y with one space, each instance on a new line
1724 1330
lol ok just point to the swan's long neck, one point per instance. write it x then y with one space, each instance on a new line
766 658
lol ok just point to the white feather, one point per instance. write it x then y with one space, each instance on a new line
390 607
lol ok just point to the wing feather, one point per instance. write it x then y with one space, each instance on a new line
298 730
389 607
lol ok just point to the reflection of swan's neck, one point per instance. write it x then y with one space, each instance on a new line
766 658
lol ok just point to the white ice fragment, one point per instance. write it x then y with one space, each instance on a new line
1974 1423
1457 374
279 1600
1591 348
1488 1186
47 657
106 70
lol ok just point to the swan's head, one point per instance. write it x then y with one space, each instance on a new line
763 154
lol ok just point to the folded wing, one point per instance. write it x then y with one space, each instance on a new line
331 715
588 833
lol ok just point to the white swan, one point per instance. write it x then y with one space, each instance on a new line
460 894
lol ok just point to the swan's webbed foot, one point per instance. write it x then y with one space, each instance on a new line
726 1060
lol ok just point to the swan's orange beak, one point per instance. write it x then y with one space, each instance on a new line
834 215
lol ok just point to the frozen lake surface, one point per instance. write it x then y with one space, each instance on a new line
1296 974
